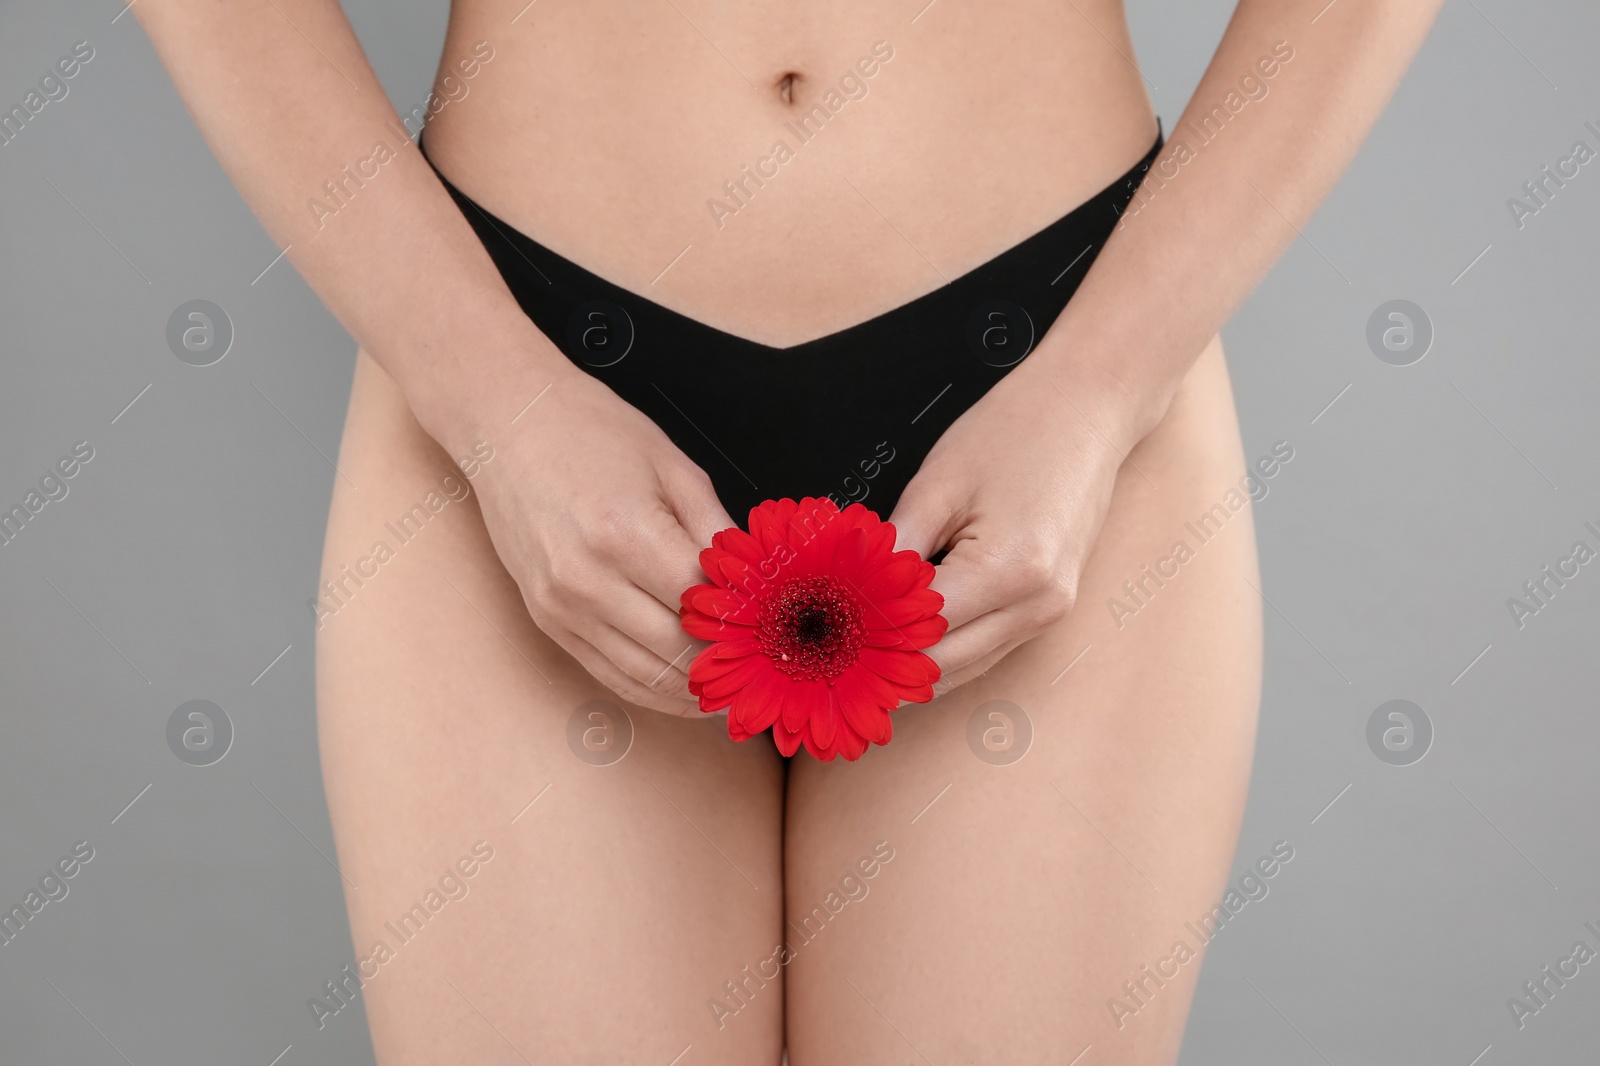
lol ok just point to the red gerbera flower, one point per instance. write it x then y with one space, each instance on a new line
815 623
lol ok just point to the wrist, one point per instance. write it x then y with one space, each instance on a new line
1118 411
483 391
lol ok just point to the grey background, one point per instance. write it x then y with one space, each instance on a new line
179 564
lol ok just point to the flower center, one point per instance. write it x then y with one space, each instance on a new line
811 628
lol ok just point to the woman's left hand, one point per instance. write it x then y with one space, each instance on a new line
1017 490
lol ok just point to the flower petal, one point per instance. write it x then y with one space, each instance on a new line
724 686
842 715
756 706
903 668
721 658
722 604
711 563
705 627
850 557
849 744
741 545
880 540
787 741
922 634
814 532
769 524
822 724
902 610
895 578
864 700
800 701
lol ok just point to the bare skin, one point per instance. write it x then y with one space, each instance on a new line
619 904
607 923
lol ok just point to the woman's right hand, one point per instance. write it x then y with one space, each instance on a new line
595 513
600 519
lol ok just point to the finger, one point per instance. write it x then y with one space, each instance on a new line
655 673
969 650
644 667
955 678
975 581
693 500
666 673
664 568
923 520
604 669
661 558
642 618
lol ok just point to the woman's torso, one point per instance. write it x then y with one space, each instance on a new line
641 140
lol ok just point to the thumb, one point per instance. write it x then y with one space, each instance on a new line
966 580
925 518
693 500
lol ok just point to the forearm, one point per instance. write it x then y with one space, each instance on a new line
288 102
1225 198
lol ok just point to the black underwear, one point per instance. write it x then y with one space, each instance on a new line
850 415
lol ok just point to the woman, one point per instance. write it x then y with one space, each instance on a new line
704 899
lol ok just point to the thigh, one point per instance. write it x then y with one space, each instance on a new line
517 892
1019 897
